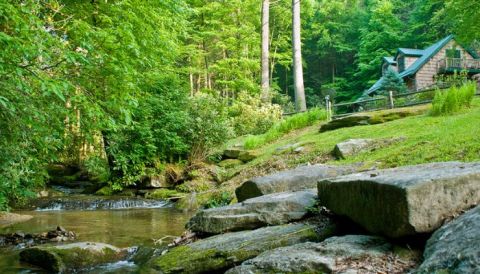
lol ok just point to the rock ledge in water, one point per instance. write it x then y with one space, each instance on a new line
72 256
221 252
272 209
406 200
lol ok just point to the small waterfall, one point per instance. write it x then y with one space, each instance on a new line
94 203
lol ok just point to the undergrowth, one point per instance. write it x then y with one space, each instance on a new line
294 122
453 99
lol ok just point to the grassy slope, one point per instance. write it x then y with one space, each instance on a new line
428 139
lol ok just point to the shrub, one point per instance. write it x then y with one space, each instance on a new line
453 99
209 125
250 116
296 121
392 82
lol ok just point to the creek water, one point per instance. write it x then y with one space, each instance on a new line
124 227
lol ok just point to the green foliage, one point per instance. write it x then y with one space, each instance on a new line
453 100
463 15
250 116
392 82
209 125
296 121
219 199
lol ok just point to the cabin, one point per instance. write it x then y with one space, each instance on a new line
420 67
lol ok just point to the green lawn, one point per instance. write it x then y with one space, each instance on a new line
428 139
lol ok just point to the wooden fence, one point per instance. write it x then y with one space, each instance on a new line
385 102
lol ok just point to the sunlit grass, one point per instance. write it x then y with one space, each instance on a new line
294 122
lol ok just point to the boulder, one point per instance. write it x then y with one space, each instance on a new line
7 218
156 181
74 256
221 252
300 178
272 209
352 147
454 248
348 121
287 148
372 118
248 155
240 154
347 254
232 153
403 201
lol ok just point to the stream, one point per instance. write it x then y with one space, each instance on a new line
122 222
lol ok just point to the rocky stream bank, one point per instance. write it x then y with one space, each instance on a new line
319 219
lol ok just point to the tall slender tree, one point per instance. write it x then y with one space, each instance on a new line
300 103
265 50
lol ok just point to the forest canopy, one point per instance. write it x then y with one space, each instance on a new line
121 87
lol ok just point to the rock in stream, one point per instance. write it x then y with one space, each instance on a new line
221 252
71 257
271 209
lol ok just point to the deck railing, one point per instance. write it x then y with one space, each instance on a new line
459 63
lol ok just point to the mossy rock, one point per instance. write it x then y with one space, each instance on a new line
74 256
248 155
105 191
229 163
221 252
197 185
163 194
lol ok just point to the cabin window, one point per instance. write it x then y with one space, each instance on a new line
453 53
401 63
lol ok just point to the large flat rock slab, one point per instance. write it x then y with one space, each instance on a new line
271 209
406 200
373 118
353 147
221 252
300 178
455 247
72 257
347 254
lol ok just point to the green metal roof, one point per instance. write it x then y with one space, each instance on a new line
410 52
390 60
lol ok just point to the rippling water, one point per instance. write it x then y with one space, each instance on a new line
120 227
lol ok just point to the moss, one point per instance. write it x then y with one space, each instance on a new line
47 260
187 260
77 258
197 185
221 256
229 163
105 191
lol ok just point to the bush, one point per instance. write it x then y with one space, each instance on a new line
250 116
209 125
296 121
453 100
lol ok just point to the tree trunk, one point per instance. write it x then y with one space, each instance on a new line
300 103
265 50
